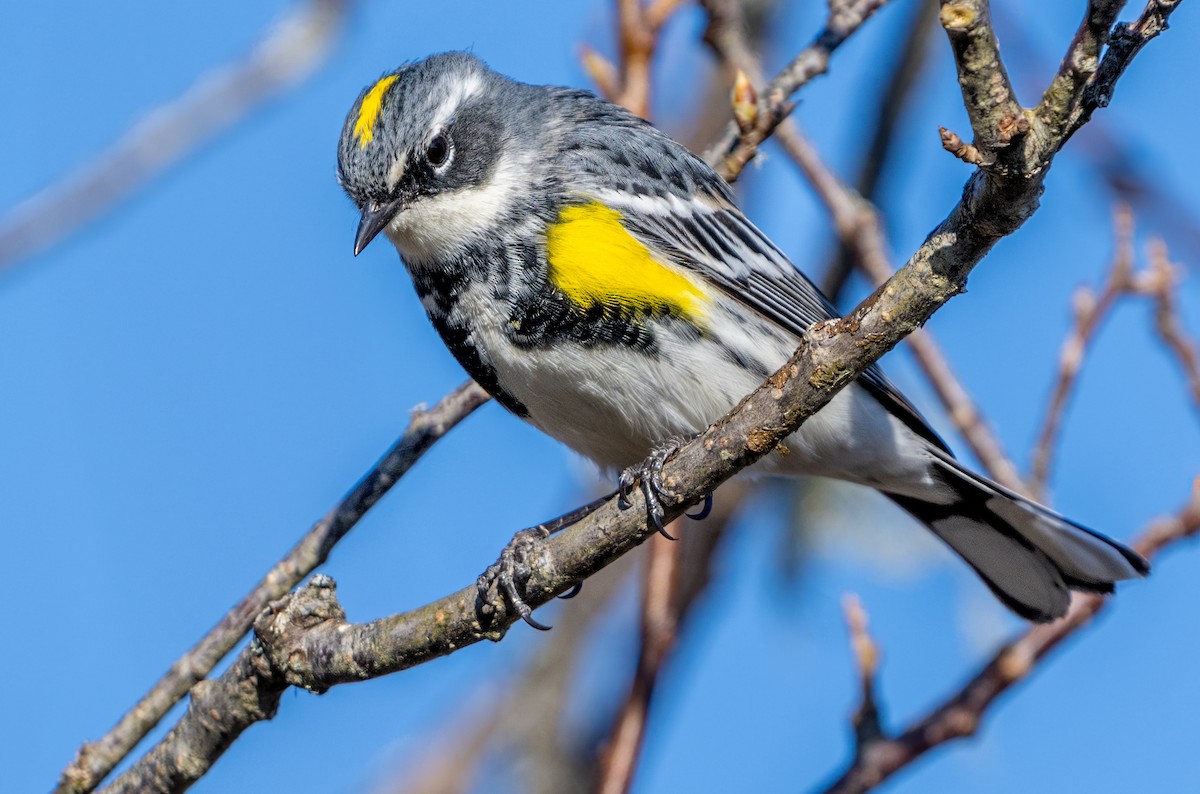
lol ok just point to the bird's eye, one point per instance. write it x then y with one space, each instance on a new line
438 150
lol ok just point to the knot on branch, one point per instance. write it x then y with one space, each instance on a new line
280 631
957 18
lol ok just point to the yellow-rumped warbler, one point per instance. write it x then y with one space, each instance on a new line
598 280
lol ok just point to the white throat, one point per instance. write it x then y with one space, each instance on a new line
437 226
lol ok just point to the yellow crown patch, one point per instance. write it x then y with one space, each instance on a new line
368 111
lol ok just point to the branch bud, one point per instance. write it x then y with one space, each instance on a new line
745 102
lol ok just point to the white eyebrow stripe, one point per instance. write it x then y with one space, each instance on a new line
396 172
460 92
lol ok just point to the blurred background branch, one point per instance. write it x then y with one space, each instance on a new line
293 49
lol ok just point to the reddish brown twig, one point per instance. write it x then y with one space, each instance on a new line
677 574
893 99
1090 312
659 633
639 27
738 147
1159 282
961 714
866 658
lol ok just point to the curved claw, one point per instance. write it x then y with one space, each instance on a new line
624 488
539 626
518 603
574 591
703 512
654 510
648 476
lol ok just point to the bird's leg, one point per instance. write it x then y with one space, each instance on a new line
504 581
648 474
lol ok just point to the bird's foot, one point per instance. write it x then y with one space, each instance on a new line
648 475
503 583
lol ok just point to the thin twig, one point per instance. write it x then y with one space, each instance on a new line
731 154
1090 312
867 728
639 28
659 626
291 51
96 759
961 714
1160 284
893 99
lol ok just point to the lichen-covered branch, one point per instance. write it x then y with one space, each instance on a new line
1125 42
988 96
1079 64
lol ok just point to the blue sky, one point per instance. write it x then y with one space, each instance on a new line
192 381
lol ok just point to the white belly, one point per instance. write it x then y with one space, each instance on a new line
614 405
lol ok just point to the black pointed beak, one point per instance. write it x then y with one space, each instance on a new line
375 218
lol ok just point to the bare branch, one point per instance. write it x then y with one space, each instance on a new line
1090 312
292 50
960 715
1079 64
866 657
95 760
1124 44
736 149
1160 283
996 116
860 231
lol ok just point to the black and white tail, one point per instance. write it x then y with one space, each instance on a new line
1030 556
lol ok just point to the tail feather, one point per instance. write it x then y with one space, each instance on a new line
1030 556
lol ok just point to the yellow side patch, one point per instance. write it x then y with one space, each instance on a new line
368 111
595 261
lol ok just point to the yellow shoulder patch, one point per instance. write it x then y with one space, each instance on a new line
368 111
595 261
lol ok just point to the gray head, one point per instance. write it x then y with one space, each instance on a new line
427 130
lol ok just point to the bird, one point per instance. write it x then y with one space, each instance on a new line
599 281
